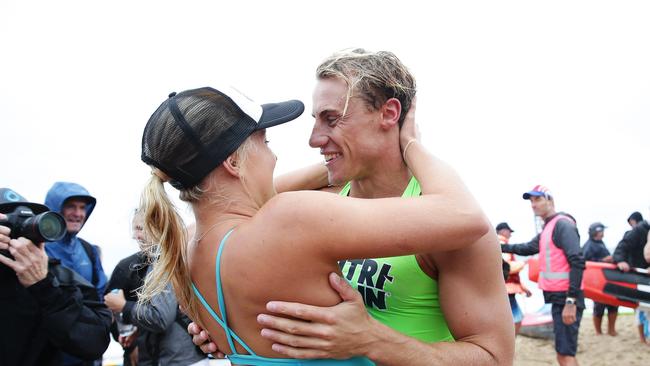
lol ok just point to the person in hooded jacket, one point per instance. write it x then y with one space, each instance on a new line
595 250
75 204
46 309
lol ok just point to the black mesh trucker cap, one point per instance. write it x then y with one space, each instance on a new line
194 131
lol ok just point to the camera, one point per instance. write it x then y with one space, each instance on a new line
33 221
46 226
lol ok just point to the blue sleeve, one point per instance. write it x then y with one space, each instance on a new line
102 280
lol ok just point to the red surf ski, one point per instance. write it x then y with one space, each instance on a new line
604 283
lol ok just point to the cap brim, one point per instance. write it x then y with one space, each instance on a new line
37 208
277 113
527 195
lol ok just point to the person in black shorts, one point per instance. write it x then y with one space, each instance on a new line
595 250
561 265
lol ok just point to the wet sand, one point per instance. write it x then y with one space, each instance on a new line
623 349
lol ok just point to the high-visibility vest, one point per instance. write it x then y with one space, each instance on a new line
553 265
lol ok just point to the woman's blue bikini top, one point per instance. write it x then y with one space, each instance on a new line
252 358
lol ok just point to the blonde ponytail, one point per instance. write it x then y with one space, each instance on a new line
165 229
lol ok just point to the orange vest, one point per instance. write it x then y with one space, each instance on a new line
513 283
553 265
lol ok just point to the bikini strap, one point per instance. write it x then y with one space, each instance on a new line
222 305
215 316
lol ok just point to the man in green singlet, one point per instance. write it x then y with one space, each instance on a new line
427 309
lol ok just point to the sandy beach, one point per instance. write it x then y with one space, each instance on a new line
624 349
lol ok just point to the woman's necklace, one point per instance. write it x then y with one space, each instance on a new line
205 232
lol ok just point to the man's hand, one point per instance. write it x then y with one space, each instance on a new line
30 261
127 341
569 314
115 301
608 259
340 331
4 234
516 266
201 338
623 266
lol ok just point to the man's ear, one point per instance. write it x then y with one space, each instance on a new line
390 113
232 165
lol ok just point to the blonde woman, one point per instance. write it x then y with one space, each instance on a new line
155 331
252 244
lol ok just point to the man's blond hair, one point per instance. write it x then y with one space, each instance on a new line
375 77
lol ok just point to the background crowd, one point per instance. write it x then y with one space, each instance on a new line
66 283
557 92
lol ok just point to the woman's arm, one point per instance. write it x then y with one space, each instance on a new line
312 177
445 217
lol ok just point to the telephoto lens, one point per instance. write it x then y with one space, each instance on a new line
47 226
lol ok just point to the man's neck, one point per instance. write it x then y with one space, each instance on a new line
549 215
69 236
388 181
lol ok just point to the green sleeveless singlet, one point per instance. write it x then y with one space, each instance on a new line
397 292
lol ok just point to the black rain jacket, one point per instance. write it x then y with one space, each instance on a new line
61 313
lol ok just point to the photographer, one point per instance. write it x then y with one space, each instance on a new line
45 308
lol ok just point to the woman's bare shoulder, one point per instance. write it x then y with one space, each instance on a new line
292 216
288 205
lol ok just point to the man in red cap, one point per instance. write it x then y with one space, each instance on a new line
561 265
